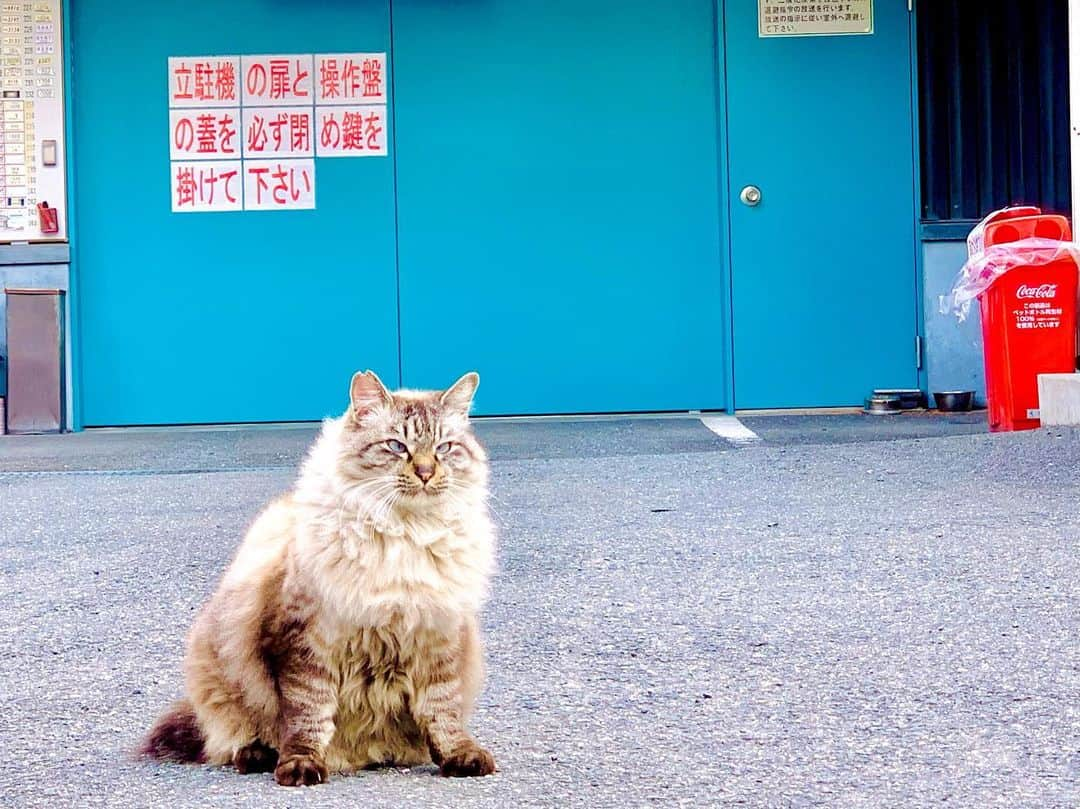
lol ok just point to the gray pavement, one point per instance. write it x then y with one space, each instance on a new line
833 621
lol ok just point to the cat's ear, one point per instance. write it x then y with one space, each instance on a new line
459 396
366 392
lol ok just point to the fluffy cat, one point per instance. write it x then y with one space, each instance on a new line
344 633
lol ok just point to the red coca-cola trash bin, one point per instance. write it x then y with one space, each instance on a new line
1023 268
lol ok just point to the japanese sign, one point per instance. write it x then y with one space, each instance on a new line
277 80
801 18
351 78
351 131
31 121
273 114
271 184
204 133
204 81
277 131
211 185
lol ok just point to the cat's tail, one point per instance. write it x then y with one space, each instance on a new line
175 737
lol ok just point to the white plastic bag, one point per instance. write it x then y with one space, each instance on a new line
987 265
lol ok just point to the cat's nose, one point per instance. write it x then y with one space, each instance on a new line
424 471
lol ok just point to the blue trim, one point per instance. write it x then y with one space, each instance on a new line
35 253
916 156
74 330
723 165
956 230
392 145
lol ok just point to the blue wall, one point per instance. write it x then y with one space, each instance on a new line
618 303
954 359
220 317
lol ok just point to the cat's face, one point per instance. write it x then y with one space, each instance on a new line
412 447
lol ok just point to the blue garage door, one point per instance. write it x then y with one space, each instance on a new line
558 216
558 202
219 317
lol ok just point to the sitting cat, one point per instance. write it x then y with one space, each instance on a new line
344 633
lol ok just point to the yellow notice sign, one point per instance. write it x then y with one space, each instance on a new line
801 18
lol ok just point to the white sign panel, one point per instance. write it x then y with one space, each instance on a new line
278 132
207 185
358 131
277 80
204 81
273 185
797 18
243 129
350 78
32 148
211 133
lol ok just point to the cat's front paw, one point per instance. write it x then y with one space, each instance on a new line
469 761
255 757
300 771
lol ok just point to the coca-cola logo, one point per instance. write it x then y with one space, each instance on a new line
1044 291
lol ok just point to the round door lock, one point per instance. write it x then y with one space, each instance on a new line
751 195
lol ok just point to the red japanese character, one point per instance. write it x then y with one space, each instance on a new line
279 78
300 130
184 134
282 187
183 82
226 133
207 133
300 76
204 81
331 131
226 81
351 79
329 77
255 81
373 130
228 177
372 73
276 125
207 179
260 181
256 134
352 130
185 187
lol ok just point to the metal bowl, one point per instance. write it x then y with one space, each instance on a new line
954 401
913 399
882 405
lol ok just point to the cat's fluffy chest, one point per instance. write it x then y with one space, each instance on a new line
423 573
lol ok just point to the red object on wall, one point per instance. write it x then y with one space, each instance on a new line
1028 316
48 218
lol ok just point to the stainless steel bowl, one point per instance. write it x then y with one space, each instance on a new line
882 405
913 399
954 401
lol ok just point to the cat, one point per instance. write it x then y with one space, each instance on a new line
344 635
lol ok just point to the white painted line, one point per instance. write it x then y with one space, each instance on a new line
730 429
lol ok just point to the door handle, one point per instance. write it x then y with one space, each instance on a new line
751 196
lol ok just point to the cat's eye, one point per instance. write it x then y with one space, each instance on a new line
396 446
445 447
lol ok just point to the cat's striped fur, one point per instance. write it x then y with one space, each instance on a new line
344 633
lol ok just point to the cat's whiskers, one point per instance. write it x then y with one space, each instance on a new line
369 499
464 497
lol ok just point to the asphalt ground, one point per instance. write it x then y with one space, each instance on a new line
214 449
820 618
